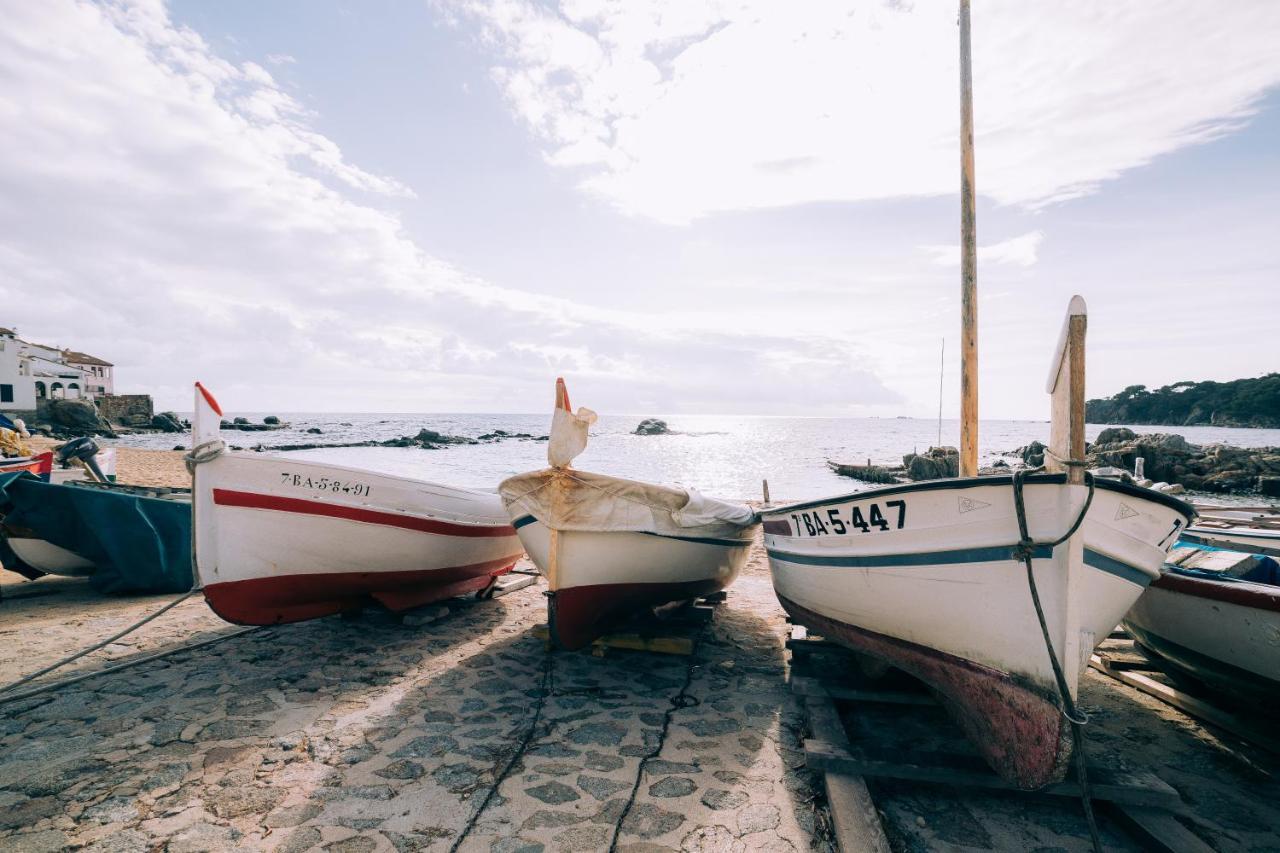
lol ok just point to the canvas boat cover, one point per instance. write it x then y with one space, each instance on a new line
568 499
137 543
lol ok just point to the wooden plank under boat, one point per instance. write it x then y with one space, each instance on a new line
284 540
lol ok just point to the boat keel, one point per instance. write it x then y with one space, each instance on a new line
1018 729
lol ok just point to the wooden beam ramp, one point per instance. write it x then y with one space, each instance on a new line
1140 802
1120 659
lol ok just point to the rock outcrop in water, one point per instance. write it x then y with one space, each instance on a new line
936 463
426 439
652 426
243 425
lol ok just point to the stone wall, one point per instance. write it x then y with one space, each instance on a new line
127 409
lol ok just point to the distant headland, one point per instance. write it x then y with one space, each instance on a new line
1239 403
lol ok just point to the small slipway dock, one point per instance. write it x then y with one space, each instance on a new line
456 729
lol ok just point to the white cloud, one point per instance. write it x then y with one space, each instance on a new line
178 214
681 110
1019 251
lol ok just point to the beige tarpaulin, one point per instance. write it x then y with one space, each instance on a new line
565 499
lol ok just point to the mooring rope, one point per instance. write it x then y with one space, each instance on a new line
1023 551
678 702
543 692
108 641
164 653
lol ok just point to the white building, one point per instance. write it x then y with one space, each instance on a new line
96 371
17 389
32 372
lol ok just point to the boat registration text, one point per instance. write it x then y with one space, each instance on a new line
837 521
324 484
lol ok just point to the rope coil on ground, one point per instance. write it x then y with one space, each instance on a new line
1023 551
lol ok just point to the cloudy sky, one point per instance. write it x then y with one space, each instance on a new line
694 206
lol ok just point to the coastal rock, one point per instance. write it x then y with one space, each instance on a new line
314 430
240 421
652 426
271 419
1115 435
166 422
77 417
934 464
1033 455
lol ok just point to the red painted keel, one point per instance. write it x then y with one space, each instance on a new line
1016 726
298 597
580 614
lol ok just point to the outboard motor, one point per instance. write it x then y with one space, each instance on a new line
82 450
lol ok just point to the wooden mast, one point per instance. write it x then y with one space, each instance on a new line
968 263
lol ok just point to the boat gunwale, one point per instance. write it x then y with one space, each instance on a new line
718 541
1187 510
267 457
1229 590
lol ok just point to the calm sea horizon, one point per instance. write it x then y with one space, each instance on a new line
721 455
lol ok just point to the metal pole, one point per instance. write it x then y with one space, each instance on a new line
942 369
968 262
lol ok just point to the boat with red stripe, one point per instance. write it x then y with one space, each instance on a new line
283 540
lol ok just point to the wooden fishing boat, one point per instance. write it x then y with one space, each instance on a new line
39 465
283 540
1219 627
992 590
1254 530
610 547
125 538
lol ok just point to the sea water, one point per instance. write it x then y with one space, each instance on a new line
722 456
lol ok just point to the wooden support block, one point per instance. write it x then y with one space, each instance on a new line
853 813
640 643
1198 708
505 586
971 772
1157 830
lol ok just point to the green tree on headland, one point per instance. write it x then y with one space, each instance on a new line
1239 403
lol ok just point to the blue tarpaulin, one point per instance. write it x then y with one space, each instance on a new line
137 543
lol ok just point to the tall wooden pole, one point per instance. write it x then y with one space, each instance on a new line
968 263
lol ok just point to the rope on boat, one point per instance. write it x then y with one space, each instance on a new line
1023 551
186 647
108 641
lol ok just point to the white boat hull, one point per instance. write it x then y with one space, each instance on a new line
599 576
1265 542
933 585
279 540
49 558
1224 632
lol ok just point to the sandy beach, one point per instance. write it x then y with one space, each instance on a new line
372 734
140 467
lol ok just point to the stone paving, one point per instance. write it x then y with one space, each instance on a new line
369 735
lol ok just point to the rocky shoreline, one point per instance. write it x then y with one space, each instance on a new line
1168 462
